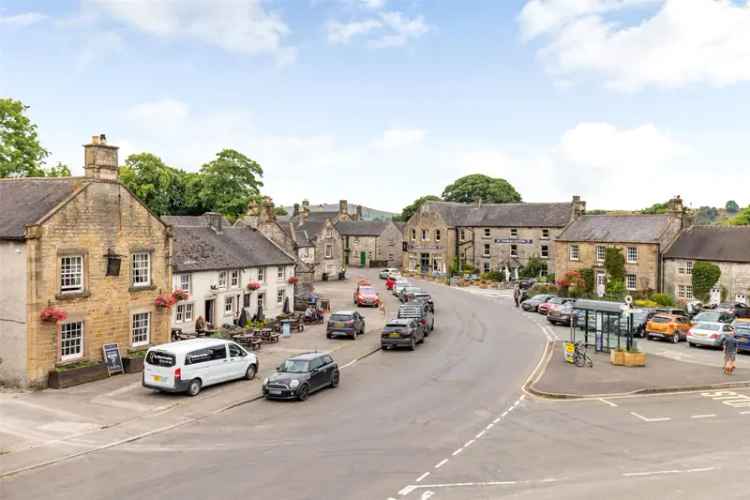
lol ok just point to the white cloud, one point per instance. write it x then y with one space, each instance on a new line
342 33
242 26
373 4
399 137
163 115
22 20
681 42
390 29
97 46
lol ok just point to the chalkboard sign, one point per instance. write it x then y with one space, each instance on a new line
112 358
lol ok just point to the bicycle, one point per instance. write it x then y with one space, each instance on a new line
580 357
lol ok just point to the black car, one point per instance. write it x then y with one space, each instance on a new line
532 304
426 298
402 333
301 375
640 318
349 323
421 312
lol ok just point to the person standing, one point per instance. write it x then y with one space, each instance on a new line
730 353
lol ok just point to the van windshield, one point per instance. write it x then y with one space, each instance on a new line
160 358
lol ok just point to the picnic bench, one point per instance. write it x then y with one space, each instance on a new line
248 340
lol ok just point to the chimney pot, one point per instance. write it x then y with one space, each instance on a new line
100 159
214 221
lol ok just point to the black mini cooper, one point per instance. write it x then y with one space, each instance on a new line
301 375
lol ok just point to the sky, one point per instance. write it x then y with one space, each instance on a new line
623 102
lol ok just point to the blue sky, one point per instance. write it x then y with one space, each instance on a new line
625 102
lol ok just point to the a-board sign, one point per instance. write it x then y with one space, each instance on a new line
112 358
569 350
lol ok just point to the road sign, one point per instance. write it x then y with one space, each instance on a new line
569 348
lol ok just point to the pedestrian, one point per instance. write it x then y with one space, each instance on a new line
517 295
730 353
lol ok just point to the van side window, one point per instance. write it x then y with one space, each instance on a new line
235 351
219 352
199 356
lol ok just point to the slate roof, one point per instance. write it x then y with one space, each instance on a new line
190 220
203 249
26 201
504 214
361 228
618 228
712 243
302 236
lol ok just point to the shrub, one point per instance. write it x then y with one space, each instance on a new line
705 276
542 288
493 276
533 269
588 279
614 262
646 303
616 290
663 299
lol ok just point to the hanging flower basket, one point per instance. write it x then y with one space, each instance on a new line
180 294
253 285
53 314
166 301
293 280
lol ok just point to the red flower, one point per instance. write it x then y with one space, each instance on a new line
293 280
53 314
253 285
165 301
180 294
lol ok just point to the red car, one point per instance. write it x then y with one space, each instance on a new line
389 282
552 303
365 295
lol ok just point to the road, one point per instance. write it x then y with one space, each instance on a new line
447 421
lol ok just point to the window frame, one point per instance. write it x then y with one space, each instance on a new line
545 234
329 251
280 273
437 235
574 248
627 255
189 286
228 305
544 251
689 267
80 274
635 281
514 232
261 275
184 312
487 232
514 250
603 256
486 250
280 296
425 235
234 278
133 327
413 234
133 270
82 346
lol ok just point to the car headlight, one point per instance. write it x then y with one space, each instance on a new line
294 383
265 381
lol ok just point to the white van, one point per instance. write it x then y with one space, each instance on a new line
189 365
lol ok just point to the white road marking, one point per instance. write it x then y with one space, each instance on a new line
407 489
745 413
469 443
350 363
457 452
610 403
413 487
501 416
427 495
441 463
420 478
489 426
479 435
710 415
663 472
550 480
646 419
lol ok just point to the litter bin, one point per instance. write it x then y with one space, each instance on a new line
286 328
325 276
342 275
325 304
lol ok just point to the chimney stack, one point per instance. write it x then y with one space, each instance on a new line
579 206
100 159
343 207
305 212
214 221
359 212
296 210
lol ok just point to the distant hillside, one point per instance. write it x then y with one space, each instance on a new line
367 213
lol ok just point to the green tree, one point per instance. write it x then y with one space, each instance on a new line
21 155
160 187
656 208
705 276
533 268
614 263
59 170
409 210
588 278
741 219
706 215
229 182
280 211
732 207
475 187
615 290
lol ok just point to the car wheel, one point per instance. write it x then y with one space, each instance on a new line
329 336
649 337
690 344
194 388
413 344
251 371
303 392
335 380
676 338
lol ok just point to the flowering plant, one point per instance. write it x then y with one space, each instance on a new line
180 294
293 280
165 301
53 314
253 285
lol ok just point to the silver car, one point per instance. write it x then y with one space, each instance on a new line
710 334
400 285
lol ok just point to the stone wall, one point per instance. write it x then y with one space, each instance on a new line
529 242
389 247
735 278
13 348
438 252
324 264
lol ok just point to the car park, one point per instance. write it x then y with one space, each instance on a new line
349 323
190 365
387 272
552 303
366 296
403 332
708 334
742 334
715 316
301 375
420 312
668 327
561 315
532 304
407 293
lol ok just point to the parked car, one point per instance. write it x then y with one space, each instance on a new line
742 311
552 303
716 316
742 334
420 312
710 334
190 365
349 323
407 293
405 332
426 298
561 315
399 284
668 327
366 295
640 319
671 310
532 304
301 375
386 272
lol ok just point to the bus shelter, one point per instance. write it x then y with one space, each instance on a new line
602 325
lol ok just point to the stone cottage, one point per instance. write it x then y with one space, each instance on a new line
85 247
371 243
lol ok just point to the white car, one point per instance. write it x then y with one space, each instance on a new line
388 272
710 334
400 285
189 365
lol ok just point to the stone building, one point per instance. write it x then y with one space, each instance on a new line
227 269
726 246
492 237
371 243
642 239
85 246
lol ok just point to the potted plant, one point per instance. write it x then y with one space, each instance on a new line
180 294
293 280
77 373
253 285
53 314
165 301
617 356
634 357
133 362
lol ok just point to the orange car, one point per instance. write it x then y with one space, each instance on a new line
668 327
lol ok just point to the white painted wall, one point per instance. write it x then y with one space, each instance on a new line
13 348
201 283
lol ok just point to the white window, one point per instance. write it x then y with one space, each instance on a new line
184 313
141 269
71 274
689 292
228 306
329 251
186 282
437 234
545 234
513 232
545 252
689 267
487 232
574 252
329 233
601 253
279 273
280 294
632 255
141 328
514 250
261 274
630 281
486 267
235 279
486 249
222 279
424 235
71 340
413 234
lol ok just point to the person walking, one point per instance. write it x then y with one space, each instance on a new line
730 353
517 295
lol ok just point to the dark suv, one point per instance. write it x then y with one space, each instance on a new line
402 333
301 375
426 298
349 323
419 311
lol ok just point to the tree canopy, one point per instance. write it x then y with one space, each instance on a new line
656 208
160 187
742 218
704 276
409 210
475 187
732 207
21 154
229 183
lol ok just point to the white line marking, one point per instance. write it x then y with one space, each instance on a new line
704 416
455 485
549 480
663 472
489 426
610 403
420 478
469 443
407 489
457 452
479 435
350 363
745 413
441 463
646 419
523 396
501 416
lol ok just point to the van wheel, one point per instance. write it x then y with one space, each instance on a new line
251 371
194 388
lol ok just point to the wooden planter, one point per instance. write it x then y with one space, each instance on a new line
76 376
133 365
635 358
617 358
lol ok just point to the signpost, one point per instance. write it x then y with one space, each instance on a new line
112 358
513 240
